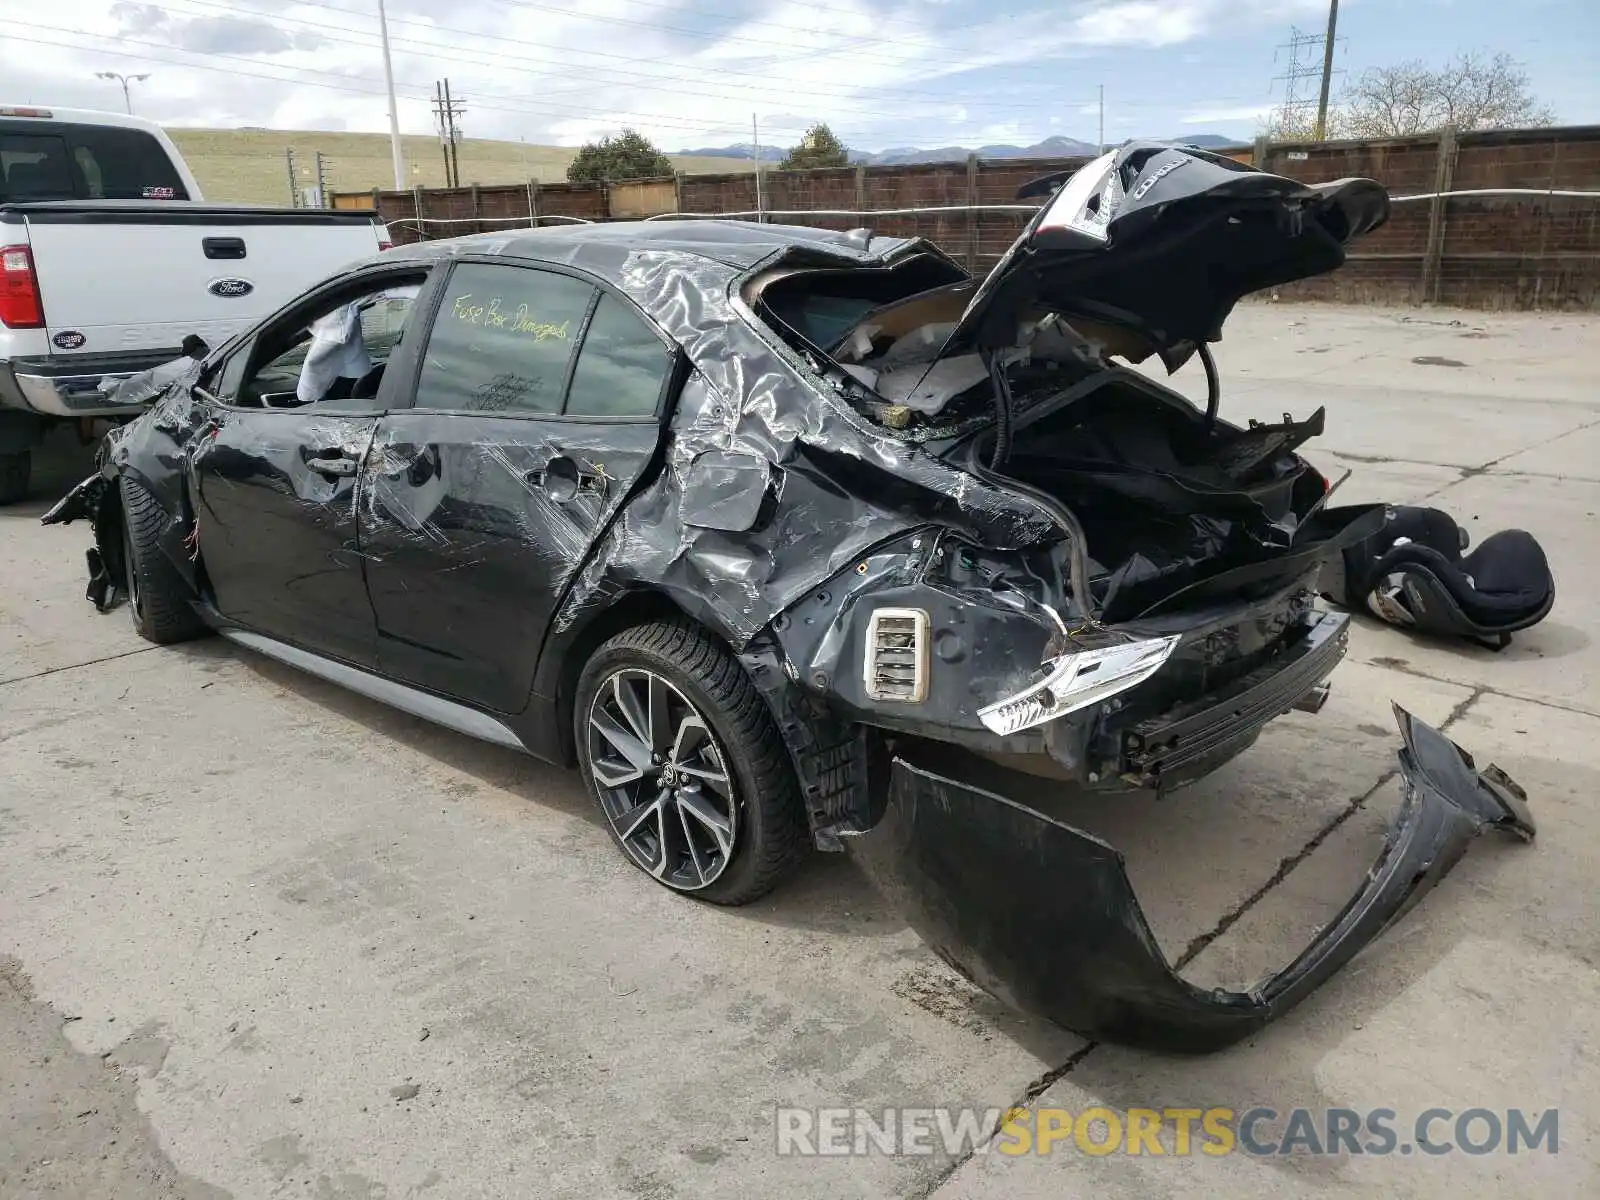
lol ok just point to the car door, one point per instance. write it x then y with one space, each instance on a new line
275 471
538 407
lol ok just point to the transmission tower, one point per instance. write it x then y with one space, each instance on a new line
1300 79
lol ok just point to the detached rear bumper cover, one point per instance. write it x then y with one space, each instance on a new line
1043 915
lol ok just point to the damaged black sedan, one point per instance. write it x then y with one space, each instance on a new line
754 523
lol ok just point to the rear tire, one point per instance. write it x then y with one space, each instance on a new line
158 597
15 470
705 799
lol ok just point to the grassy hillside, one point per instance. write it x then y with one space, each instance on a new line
247 166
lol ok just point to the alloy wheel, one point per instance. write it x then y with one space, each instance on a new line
662 779
131 574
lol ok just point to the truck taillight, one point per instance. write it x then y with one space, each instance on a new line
20 306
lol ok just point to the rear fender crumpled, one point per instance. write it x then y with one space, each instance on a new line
1043 915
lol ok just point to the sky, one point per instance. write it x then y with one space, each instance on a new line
693 73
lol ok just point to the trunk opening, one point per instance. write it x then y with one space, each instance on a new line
1175 508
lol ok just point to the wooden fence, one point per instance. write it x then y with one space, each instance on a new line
1519 227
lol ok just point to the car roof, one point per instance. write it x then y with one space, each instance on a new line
736 244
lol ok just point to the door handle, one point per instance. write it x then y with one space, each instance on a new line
564 479
333 466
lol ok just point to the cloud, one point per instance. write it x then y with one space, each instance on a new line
1143 22
231 35
1240 112
212 35
683 72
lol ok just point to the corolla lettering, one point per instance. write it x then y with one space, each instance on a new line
490 317
1152 179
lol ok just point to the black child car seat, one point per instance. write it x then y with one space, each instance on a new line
1411 573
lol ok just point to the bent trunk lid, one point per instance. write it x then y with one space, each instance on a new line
1165 240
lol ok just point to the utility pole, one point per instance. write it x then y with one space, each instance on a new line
445 109
394 107
1102 149
455 135
322 181
444 127
755 141
124 80
294 182
1327 69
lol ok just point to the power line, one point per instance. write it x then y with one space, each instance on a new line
541 109
657 81
918 46
546 110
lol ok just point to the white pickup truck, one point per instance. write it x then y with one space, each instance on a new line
110 259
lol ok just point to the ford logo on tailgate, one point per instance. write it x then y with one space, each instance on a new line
230 287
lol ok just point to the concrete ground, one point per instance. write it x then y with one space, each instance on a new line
264 938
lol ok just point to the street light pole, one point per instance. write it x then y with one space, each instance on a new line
124 80
394 109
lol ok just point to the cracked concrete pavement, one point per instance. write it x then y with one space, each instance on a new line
278 940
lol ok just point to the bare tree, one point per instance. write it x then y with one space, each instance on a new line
1299 124
1472 91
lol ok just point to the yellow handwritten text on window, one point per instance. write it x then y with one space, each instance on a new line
490 316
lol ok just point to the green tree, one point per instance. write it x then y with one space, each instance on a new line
818 148
629 155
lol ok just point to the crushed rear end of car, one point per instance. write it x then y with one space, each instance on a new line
1169 615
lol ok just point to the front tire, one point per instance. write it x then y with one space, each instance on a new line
158 598
682 757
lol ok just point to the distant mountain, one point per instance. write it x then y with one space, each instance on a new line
1051 147
1210 141
744 150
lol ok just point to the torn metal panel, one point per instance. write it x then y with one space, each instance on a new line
275 520
471 530
1044 916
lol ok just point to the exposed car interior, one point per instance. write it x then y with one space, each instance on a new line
1167 495
332 354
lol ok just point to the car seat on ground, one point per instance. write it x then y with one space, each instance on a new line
1412 574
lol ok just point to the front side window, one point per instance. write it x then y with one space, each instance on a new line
334 355
503 340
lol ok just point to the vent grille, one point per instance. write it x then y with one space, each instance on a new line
896 666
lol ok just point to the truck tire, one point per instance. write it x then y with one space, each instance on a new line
14 472
706 802
158 598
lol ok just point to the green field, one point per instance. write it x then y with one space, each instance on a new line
248 166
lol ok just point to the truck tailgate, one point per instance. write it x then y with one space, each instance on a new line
145 277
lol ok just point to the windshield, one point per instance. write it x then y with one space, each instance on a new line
56 161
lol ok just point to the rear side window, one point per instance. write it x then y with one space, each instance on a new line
84 162
503 340
621 365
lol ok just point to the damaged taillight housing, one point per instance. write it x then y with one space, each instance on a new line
20 305
1087 202
1076 681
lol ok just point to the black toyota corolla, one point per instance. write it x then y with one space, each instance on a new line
776 532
